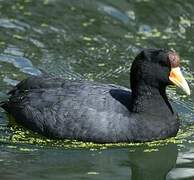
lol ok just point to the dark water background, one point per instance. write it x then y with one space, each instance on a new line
94 40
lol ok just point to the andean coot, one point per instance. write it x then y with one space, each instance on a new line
103 113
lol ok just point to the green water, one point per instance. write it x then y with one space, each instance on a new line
95 40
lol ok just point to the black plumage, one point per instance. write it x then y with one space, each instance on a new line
103 113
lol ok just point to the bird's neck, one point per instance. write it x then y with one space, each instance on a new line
150 99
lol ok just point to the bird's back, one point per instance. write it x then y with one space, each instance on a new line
81 110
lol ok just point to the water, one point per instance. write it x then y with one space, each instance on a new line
95 40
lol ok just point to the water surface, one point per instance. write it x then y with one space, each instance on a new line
95 40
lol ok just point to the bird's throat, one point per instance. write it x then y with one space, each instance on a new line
151 100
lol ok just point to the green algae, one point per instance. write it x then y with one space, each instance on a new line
93 173
44 25
16 36
22 136
85 38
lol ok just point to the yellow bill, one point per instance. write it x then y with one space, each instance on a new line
177 78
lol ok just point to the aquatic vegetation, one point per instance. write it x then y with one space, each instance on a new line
20 135
95 40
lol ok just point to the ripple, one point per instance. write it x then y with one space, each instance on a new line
114 12
22 63
188 156
37 43
179 173
13 24
95 40
6 23
13 50
10 81
185 158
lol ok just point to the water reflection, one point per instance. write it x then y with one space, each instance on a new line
153 165
30 163
181 173
184 168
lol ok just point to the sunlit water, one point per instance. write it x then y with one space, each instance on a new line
95 40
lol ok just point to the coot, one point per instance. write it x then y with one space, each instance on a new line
103 113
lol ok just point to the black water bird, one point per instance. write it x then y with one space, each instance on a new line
103 113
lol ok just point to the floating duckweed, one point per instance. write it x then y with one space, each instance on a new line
93 173
146 31
95 39
131 150
22 136
92 149
138 44
156 34
92 20
185 22
88 44
87 38
171 43
92 48
101 64
16 36
143 37
21 7
26 149
11 147
129 36
85 24
44 25
165 37
191 142
150 150
188 132
183 96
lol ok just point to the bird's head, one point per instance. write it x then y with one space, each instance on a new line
158 68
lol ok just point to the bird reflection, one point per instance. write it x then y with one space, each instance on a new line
152 165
